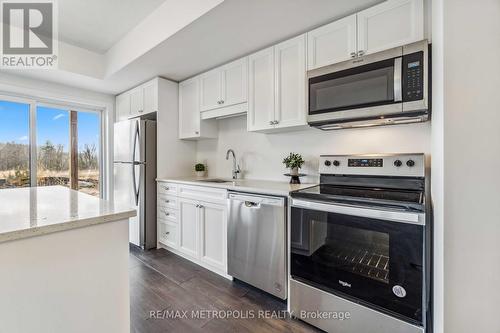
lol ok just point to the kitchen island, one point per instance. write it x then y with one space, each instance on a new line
64 262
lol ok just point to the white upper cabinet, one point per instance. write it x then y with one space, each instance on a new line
332 43
261 90
150 93
224 87
277 86
210 90
290 83
122 107
390 24
235 82
189 110
138 101
190 124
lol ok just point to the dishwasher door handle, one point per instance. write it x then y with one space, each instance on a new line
257 200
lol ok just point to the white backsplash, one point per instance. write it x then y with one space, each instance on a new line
260 155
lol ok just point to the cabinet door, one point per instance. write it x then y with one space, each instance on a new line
150 91
235 82
189 109
390 24
122 106
290 78
332 43
261 90
213 238
188 227
210 90
136 101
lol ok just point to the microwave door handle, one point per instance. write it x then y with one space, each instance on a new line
398 85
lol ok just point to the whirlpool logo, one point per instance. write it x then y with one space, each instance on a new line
344 284
29 34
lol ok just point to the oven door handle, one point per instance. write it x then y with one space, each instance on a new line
398 85
395 216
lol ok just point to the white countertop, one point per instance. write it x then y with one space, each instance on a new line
242 185
28 212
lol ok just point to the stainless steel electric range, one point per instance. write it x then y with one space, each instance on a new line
360 244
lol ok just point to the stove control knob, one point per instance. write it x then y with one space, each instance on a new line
398 163
328 163
336 163
410 163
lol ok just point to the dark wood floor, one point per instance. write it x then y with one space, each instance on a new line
162 281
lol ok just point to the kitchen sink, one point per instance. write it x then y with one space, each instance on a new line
215 180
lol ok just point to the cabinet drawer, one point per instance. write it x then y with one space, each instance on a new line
203 193
167 188
168 201
167 234
168 214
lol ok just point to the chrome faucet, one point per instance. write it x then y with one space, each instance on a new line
236 168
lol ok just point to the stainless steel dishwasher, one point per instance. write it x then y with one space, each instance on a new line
257 241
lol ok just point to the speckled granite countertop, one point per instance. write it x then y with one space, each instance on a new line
242 185
28 212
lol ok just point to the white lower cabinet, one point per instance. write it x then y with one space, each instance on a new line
192 228
213 235
188 227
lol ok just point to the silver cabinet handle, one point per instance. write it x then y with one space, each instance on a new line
271 122
201 206
167 233
360 53
218 102
166 188
222 102
196 132
167 201
141 111
353 54
276 122
197 206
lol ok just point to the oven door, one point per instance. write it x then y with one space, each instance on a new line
370 256
367 89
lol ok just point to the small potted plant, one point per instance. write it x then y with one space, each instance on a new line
294 163
200 169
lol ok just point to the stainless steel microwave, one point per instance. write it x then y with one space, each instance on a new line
384 88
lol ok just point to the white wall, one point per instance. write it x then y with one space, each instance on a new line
437 175
260 155
470 51
25 87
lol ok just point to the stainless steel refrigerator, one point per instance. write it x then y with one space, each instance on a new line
135 177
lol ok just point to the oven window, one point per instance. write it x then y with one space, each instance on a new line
348 89
358 251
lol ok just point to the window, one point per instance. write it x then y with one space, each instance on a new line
53 160
14 144
60 146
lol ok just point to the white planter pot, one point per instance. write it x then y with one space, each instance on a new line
294 171
200 173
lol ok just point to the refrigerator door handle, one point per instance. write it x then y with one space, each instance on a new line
134 164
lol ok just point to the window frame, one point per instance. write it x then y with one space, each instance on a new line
36 102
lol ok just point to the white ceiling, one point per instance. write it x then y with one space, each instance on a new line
97 25
236 28
230 30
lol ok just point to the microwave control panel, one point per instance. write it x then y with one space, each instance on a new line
413 77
